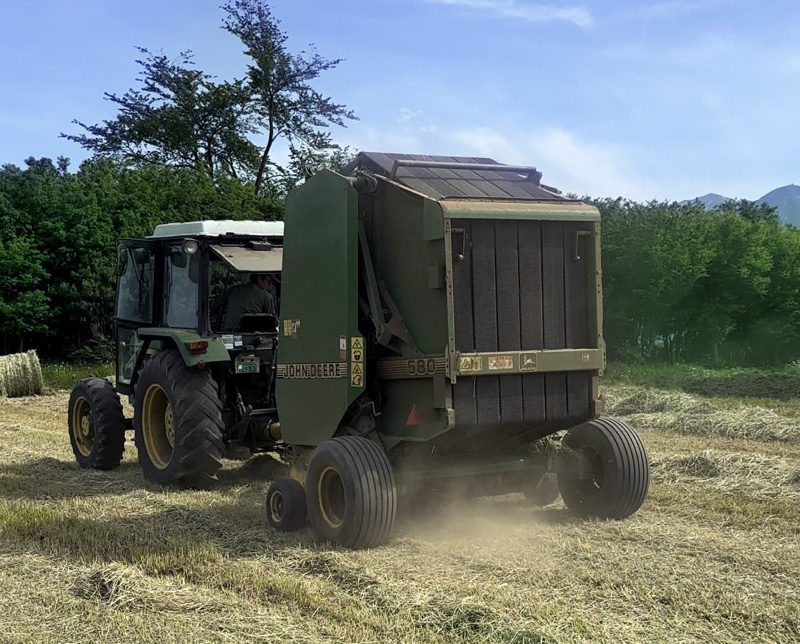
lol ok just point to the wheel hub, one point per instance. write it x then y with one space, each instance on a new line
330 492
277 506
86 426
83 426
169 426
158 426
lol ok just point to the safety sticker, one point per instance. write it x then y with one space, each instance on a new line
356 361
470 364
357 349
356 375
290 328
342 347
501 363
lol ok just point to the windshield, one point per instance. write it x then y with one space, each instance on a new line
135 271
180 288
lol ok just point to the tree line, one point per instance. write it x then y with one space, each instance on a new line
681 284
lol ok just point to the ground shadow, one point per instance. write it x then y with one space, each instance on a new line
55 479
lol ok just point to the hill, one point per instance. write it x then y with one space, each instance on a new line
710 201
787 200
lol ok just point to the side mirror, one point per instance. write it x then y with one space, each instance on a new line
177 258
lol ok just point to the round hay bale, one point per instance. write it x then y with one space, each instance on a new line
20 375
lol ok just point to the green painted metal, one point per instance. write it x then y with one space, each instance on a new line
556 211
215 352
466 468
540 361
596 287
406 237
318 356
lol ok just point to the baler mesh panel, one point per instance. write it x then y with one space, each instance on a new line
519 287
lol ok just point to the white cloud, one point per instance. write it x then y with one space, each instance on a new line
406 115
570 164
532 12
667 9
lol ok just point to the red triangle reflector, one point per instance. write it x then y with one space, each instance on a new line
413 416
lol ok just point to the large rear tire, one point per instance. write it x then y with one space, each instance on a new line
620 472
350 492
178 423
96 424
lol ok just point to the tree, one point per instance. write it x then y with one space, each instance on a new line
178 117
284 101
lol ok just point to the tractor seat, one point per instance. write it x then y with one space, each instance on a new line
258 323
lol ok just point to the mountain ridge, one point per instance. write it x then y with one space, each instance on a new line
786 200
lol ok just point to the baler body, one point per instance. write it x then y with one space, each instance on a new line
458 300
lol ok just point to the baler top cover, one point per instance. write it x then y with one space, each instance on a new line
443 177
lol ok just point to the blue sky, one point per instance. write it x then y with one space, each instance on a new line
644 99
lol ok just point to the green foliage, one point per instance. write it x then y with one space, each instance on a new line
179 117
24 306
63 375
685 284
58 237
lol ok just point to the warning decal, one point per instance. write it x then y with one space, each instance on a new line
356 361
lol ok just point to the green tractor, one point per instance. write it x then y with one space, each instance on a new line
437 326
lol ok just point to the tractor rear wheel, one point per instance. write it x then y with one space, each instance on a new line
286 505
620 472
350 492
178 423
96 424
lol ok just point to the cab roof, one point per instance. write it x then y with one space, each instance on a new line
219 228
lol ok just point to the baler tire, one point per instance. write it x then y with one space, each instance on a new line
350 492
286 505
621 470
96 424
177 420
544 492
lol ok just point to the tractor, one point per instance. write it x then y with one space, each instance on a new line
437 326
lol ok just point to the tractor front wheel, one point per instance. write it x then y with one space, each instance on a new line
618 474
178 423
350 492
96 424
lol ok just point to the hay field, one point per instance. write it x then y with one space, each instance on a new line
713 556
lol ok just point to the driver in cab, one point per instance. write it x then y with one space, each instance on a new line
254 296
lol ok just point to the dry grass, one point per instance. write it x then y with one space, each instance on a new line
713 556
20 375
676 411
